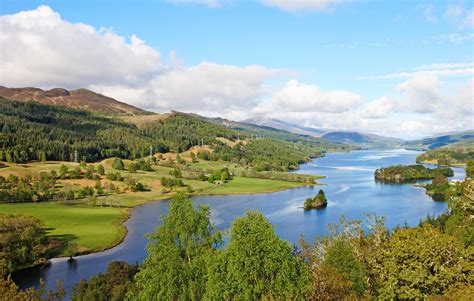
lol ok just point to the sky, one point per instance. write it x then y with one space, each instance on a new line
395 68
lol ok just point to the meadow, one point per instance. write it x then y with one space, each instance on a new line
78 222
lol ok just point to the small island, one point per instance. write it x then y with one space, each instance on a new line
409 173
318 202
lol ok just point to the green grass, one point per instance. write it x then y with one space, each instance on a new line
240 185
90 228
97 228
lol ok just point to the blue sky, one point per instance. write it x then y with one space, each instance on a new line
358 65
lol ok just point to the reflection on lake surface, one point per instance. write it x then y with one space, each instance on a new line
349 186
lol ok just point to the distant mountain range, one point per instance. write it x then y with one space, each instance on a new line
259 126
366 140
282 125
429 143
361 140
77 99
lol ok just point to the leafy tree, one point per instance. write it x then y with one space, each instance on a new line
23 242
176 268
101 169
256 265
118 164
132 167
418 262
10 291
111 285
63 171
179 160
470 169
340 257
134 185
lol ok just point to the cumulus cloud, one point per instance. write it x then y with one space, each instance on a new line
303 5
44 49
202 87
378 108
301 97
426 94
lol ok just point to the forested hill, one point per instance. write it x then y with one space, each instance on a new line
77 99
34 131
270 132
440 140
458 153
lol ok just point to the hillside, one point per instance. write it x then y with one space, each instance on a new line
282 125
458 153
76 99
365 141
34 131
270 132
434 142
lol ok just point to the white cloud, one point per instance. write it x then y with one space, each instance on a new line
207 86
304 5
44 49
442 70
426 94
378 108
300 97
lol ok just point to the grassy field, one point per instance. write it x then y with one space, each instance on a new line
90 228
240 185
98 227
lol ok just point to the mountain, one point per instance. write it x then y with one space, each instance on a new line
282 125
439 140
458 153
77 99
366 141
271 132
360 140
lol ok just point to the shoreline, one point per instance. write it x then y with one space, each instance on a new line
126 216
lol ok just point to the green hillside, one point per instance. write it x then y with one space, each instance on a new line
34 131
455 154
439 141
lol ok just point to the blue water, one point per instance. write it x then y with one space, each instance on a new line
349 186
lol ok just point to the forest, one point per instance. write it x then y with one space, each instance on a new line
188 260
65 134
407 173
455 154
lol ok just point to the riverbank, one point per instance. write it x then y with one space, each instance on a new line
96 226
435 163
350 189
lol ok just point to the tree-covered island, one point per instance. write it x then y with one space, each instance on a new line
409 173
318 202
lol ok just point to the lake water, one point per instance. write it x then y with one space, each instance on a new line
349 186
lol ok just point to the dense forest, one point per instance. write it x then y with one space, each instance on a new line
401 173
188 260
449 155
33 131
